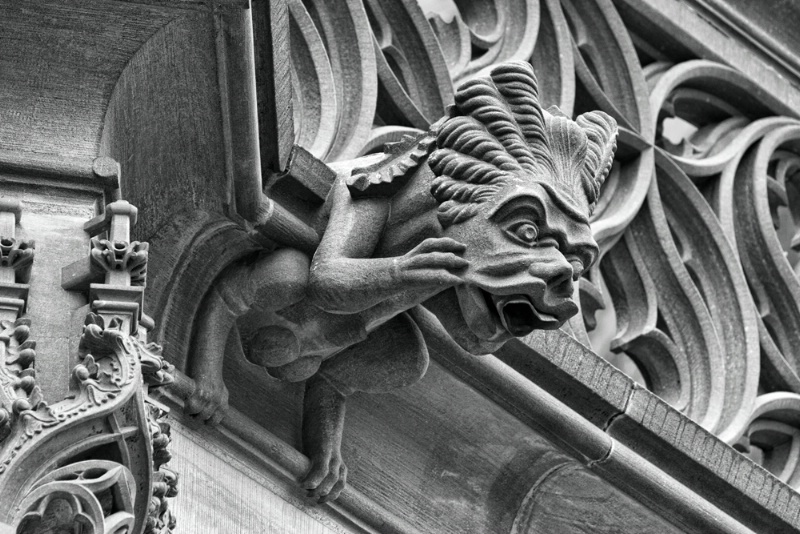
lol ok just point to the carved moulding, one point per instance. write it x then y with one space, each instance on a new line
93 462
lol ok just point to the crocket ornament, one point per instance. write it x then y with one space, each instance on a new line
484 220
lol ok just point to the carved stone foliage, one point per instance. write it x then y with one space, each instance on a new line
19 391
695 290
18 256
160 519
106 396
121 256
94 461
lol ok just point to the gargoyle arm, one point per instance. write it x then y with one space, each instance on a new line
345 279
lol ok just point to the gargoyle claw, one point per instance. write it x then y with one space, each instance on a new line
208 402
325 480
431 263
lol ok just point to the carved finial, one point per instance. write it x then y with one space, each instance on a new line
117 261
498 135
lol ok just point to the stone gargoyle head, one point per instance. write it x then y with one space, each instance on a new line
517 185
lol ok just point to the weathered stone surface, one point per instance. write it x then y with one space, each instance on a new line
235 131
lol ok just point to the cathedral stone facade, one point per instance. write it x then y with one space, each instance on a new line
399 266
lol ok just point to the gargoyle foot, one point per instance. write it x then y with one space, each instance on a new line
327 477
323 423
208 402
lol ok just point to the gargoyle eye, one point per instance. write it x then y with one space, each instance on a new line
524 231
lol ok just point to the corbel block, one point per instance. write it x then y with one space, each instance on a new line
124 302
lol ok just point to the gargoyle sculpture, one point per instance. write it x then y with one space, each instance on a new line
483 220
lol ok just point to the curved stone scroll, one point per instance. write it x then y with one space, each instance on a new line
711 221
413 80
312 81
774 284
498 31
344 29
773 437
690 322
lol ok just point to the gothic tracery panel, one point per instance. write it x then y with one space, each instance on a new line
696 274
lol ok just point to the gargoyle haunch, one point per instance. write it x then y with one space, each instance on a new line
483 220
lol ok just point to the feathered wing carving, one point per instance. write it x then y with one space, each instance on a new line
499 134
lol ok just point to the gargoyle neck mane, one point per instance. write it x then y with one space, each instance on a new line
499 135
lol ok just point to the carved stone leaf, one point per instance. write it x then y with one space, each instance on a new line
121 256
160 519
18 255
21 401
156 370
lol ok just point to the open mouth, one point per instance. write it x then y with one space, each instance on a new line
519 316
490 316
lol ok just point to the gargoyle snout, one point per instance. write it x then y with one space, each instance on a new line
557 274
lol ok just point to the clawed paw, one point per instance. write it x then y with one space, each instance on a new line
432 263
326 479
208 402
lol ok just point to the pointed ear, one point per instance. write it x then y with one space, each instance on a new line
601 131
